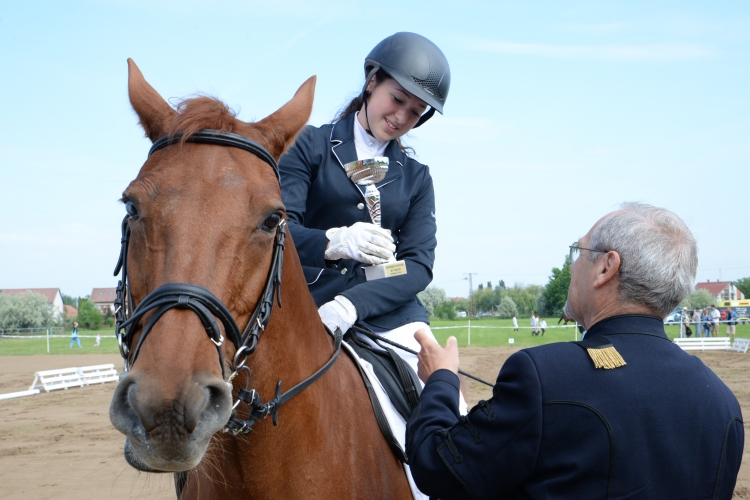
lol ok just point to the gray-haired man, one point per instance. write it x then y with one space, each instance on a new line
595 418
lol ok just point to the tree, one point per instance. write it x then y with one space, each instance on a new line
507 308
744 285
461 305
24 311
541 304
501 284
69 300
698 299
89 315
431 298
445 310
524 297
485 300
556 291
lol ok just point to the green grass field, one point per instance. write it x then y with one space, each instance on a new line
27 347
485 332
492 332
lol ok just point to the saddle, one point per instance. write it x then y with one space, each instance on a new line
396 377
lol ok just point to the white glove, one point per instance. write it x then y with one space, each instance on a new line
338 313
363 241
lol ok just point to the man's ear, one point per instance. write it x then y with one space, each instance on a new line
607 269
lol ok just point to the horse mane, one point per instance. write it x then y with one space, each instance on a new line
198 113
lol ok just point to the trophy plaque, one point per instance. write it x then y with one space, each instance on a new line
367 173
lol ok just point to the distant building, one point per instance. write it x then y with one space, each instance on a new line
104 299
53 296
70 311
722 290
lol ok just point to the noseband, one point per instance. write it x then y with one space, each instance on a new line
208 307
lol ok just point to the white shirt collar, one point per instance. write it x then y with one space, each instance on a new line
367 146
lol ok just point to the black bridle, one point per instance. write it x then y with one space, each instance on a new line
208 307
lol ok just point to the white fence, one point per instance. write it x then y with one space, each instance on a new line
32 333
64 378
713 344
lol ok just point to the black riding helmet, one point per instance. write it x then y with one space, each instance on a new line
416 64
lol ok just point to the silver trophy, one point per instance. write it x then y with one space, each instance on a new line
367 173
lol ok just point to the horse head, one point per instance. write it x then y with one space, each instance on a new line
203 215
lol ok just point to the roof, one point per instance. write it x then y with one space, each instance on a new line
70 311
48 293
713 287
103 295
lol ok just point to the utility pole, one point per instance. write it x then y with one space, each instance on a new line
471 292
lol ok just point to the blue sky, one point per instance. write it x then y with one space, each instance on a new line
557 113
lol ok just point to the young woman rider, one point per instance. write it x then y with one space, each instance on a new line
407 79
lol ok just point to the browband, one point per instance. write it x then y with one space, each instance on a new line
219 138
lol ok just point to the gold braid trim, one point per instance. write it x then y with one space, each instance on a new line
606 357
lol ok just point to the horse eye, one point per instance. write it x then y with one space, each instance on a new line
272 222
131 210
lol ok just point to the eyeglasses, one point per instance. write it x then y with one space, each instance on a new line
575 251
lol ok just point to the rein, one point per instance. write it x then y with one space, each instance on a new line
379 338
208 307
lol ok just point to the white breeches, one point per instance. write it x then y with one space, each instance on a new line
404 335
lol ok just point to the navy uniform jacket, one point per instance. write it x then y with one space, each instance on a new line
663 426
318 196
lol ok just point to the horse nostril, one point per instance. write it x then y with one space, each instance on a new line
220 399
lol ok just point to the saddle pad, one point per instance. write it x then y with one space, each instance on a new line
395 421
400 382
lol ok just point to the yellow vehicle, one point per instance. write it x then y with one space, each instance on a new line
741 307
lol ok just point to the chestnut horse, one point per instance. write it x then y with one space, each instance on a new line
206 218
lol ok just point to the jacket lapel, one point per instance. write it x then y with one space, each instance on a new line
342 146
342 140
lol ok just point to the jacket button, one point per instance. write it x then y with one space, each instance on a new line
360 206
343 271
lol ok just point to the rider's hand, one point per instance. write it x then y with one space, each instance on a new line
363 241
432 357
338 313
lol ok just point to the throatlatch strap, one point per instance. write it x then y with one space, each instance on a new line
602 353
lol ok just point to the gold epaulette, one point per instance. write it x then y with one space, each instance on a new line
602 353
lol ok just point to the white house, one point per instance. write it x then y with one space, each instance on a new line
53 296
104 299
722 290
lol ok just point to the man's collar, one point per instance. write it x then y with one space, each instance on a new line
628 323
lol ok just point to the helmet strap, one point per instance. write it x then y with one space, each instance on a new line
422 118
367 117
366 95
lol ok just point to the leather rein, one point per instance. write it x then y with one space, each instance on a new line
209 308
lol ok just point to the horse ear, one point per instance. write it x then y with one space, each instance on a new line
281 128
152 110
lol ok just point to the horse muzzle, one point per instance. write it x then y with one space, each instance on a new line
168 429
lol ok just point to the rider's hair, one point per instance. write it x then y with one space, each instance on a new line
356 104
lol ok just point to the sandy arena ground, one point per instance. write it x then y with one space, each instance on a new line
61 445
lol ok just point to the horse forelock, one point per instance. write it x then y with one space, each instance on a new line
200 113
